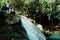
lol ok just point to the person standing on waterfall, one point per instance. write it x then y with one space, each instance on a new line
8 5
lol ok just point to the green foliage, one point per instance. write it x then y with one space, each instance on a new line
33 5
0 5
19 4
58 16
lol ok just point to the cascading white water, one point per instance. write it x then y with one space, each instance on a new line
32 32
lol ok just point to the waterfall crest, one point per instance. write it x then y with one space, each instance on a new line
32 31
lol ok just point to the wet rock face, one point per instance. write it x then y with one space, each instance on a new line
13 28
6 19
2 18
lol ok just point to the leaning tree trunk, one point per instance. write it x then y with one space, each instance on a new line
54 6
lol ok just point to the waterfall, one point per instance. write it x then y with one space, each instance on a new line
32 31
